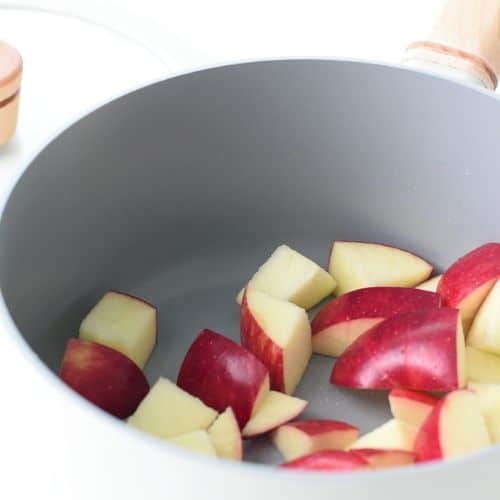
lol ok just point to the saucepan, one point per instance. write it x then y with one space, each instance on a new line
177 191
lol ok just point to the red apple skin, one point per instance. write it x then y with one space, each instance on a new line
328 460
222 373
373 455
470 272
315 427
427 443
414 350
105 377
421 397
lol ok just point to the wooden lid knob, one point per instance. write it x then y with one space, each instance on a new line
11 67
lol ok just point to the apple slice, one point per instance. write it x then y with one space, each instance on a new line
290 276
328 460
411 407
359 265
122 322
279 334
304 437
381 459
276 409
454 428
393 435
431 285
226 437
197 441
344 319
466 283
489 402
104 376
222 373
421 350
168 411
482 366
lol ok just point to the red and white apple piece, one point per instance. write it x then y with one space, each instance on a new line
304 437
421 350
489 402
359 265
168 411
226 436
197 441
328 461
104 376
276 409
290 276
279 334
482 366
381 459
223 374
393 435
340 322
122 322
431 285
454 428
411 407
467 282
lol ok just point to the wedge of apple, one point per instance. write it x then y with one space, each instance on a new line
279 334
303 437
276 409
411 407
168 411
482 366
421 350
454 428
381 459
467 282
290 276
431 285
122 322
328 461
223 374
340 322
104 376
226 436
489 402
359 265
393 435
197 441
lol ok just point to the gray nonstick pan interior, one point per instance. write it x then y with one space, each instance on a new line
179 191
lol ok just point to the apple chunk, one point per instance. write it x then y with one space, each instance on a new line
226 437
340 322
124 323
489 402
421 350
381 459
359 265
431 285
222 373
482 366
328 461
168 411
276 409
466 283
455 427
411 407
197 441
279 334
104 376
393 435
304 437
290 276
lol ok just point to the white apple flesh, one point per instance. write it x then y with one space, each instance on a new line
197 441
393 435
226 436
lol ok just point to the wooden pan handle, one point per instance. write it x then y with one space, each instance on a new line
464 43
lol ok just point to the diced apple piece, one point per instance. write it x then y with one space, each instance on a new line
421 350
168 411
359 265
290 276
381 459
223 374
279 334
467 282
104 376
347 317
226 437
122 322
454 428
489 401
482 366
431 285
304 437
276 409
411 407
328 461
197 441
393 435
